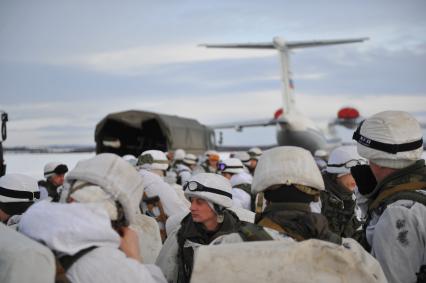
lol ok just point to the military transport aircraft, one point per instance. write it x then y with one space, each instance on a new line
133 131
294 128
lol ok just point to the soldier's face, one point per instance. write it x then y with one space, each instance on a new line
201 212
3 216
347 181
227 175
253 163
57 180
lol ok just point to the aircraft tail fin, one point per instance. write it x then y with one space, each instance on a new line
283 47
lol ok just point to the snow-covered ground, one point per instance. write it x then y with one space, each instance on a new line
32 164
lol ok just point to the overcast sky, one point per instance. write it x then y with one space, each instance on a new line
64 65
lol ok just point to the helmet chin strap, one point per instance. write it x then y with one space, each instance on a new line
218 210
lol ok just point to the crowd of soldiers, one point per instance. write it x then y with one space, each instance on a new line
360 210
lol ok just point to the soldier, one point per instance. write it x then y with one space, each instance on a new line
24 260
210 196
210 164
240 196
91 235
395 184
254 154
184 169
17 193
289 180
54 173
338 199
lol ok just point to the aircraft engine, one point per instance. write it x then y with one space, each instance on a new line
348 117
278 113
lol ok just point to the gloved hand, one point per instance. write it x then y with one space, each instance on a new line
364 178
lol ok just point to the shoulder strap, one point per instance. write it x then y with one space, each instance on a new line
405 195
397 189
245 187
267 222
251 232
68 260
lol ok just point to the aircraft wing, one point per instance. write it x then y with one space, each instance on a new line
244 124
261 45
289 44
313 43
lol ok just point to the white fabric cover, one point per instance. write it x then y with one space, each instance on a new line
241 199
179 154
233 162
286 165
393 127
24 260
321 153
115 176
285 261
241 178
190 159
49 167
214 181
398 240
173 222
179 191
340 155
167 259
18 182
92 193
131 159
149 237
243 156
184 172
160 160
255 152
70 227
155 186
243 214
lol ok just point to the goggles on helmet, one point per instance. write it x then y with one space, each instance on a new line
349 164
223 166
194 186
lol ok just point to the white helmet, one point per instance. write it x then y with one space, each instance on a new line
153 160
390 139
211 187
342 159
53 168
243 156
190 159
255 152
116 177
286 165
231 165
179 154
321 153
17 193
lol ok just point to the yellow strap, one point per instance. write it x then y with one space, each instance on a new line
266 222
259 203
400 188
